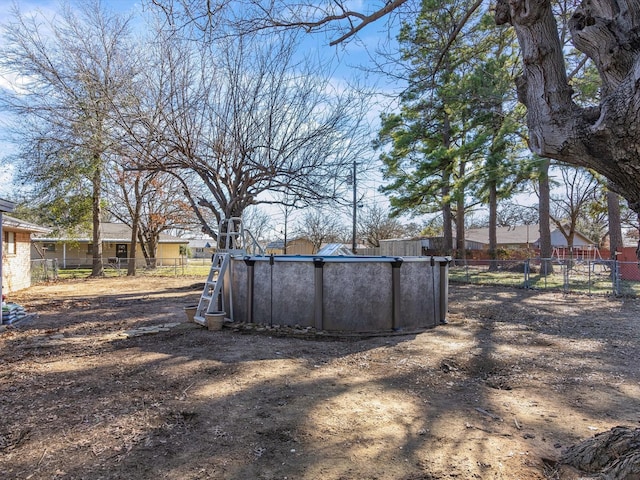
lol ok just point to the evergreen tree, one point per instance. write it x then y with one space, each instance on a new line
455 137
69 72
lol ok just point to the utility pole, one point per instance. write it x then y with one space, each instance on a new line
355 209
286 219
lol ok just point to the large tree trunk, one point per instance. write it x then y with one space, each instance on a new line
615 227
135 222
544 216
461 251
97 268
447 216
152 243
447 220
603 138
611 455
493 225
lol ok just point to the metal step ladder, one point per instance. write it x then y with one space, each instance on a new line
212 298
234 238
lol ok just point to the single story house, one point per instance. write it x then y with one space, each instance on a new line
295 246
523 238
527 238
5 207
202 247
75 251
16 252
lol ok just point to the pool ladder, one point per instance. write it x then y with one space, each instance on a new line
212 298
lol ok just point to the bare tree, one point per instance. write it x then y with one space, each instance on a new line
257 222
150 203
601 136
245 117
580 188
320 227
67 73
375 224
512 214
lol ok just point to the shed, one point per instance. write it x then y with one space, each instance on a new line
295 246
404 247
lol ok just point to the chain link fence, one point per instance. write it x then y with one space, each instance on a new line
44 271
602 277
49 270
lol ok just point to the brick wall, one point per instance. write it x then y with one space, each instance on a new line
16 268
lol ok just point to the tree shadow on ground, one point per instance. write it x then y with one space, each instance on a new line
508 381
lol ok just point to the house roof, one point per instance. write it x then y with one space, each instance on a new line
202 243
111 232
17 225
279 244
6 206
276 245
521 235
505 235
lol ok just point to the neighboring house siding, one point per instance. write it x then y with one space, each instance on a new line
16 267
75 254
202 247
558 240
169 250
201 252
403 247
299 246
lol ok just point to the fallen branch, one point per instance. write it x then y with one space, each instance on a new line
488 414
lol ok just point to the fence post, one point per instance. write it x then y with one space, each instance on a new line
615 277
526 273
565 271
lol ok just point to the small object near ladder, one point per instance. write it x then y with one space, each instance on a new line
212 298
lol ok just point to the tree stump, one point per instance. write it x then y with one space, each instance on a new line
611 455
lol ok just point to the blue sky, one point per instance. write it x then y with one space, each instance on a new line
346 60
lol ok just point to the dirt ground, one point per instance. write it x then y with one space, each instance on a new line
498 393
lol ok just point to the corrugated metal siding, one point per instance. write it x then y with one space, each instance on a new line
401 248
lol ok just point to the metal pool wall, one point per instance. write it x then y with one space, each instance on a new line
333 293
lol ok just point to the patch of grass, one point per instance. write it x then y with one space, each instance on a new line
574 281
191 269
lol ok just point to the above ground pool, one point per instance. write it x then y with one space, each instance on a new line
338 293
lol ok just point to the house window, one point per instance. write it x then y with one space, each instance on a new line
90 249
121 250
10 243
49 247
